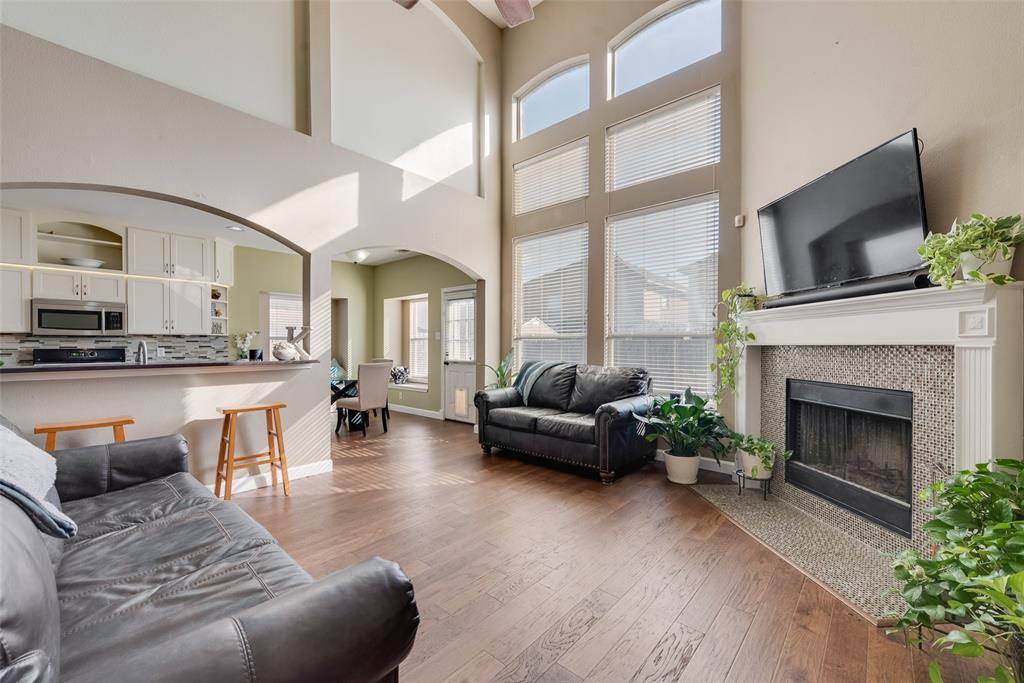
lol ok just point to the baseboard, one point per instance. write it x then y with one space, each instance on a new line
251 482
409 410
726 467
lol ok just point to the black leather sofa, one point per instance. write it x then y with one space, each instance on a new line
577 414
164 582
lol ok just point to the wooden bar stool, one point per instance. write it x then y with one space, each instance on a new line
51 429
275 457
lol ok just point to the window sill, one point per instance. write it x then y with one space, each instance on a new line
410 386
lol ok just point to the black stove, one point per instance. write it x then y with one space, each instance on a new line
77 356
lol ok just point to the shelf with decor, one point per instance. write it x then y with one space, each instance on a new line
76 244
218 310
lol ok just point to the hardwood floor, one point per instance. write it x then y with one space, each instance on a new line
527 573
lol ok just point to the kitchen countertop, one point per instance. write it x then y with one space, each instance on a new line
83 370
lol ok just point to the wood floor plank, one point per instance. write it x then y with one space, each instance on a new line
541 655
717 650
762 646
846 652
503 550
889 660
803 650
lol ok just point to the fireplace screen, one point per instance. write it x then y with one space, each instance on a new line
852 445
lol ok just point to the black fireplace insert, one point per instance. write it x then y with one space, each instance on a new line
852 445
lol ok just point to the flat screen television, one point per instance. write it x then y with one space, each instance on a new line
863 220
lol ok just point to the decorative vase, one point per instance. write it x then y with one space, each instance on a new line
998 266
748 463
285 351
681 469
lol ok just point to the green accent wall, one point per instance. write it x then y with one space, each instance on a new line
364 288
417 275
259 270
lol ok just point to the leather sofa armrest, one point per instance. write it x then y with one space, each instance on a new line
354 625
93 470
505 397
621 411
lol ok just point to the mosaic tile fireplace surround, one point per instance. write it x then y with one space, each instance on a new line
955 359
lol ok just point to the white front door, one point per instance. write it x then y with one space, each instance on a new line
459 327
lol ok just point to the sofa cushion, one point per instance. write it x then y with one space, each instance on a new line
553 387
570 426
596 385
519 418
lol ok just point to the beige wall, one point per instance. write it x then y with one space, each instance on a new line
355 284
823 82
126 130
418 275
246 54
259 270
565 29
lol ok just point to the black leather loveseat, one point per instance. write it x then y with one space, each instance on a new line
577 414
164 582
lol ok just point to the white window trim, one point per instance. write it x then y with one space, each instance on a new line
408 338
540 79
265 320
516 338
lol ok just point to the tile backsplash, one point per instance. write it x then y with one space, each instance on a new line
16 349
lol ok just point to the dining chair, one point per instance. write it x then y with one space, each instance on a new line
373 392
391 364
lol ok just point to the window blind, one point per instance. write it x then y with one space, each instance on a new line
460 321
661 291
418 340
549 281
284 310
676 137
556 176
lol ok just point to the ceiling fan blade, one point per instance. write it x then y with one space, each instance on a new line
514 12
407 4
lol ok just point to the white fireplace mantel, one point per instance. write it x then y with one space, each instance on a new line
984 324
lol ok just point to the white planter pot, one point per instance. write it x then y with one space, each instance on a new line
681 470
748 462
1000 266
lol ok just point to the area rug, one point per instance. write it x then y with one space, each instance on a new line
855 571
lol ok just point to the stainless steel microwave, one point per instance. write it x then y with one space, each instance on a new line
78 318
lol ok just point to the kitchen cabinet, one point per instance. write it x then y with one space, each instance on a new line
15 300
224 262
57 284
160 254
168 307
75 286
190 308
149 253
17 237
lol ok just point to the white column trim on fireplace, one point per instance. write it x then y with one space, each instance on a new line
984 324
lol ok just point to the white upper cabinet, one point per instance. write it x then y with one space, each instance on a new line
190 308
224 260
149 253
160 254
15 300
56 284
148 307
191 258
17 237
105 288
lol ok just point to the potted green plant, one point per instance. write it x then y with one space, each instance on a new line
732 336
689 426
504 372
981 249
756 456
973 583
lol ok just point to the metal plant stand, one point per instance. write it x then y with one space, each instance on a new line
766 482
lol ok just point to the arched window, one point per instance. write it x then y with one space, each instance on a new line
554 99
670 42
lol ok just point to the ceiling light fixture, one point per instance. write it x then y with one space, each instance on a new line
359 255
235 228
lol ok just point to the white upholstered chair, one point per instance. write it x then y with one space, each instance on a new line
373 392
